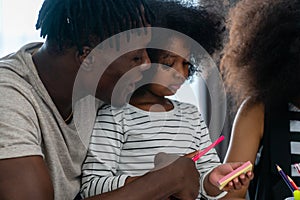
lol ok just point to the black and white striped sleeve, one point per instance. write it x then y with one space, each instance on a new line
99 171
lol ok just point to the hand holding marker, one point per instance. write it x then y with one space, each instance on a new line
247 166
229 177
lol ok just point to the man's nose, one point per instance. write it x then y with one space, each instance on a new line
146 61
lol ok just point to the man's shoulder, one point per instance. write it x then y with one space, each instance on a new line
12 81
20 62
17 69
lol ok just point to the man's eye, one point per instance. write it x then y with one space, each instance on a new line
137 58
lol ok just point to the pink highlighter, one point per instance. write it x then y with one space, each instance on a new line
200 154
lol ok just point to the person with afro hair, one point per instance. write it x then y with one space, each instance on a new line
261 68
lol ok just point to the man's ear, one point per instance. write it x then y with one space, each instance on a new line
86 60
85 52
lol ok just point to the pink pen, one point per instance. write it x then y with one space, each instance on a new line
200 154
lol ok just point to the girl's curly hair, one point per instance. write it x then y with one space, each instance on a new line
262 57
202 25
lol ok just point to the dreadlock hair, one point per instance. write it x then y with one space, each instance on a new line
70 23
262 57
198 23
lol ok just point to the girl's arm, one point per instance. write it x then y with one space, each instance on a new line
246 135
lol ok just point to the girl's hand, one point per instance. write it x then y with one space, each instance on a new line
235 184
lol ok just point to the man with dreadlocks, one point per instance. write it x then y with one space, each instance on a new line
40 151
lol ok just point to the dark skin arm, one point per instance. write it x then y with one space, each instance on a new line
189 155
28 178
25 178
247 133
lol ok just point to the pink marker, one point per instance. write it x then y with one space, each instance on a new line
199 155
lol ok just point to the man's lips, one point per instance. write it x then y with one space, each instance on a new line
174 87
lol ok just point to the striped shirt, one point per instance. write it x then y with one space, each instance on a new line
124 142
295 140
